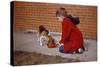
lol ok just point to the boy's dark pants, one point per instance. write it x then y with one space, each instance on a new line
61 49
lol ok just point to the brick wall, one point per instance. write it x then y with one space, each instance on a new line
29 15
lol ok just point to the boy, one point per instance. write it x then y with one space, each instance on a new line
71 39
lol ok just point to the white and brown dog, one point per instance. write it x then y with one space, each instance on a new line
45 38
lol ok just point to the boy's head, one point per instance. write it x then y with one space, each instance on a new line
61 13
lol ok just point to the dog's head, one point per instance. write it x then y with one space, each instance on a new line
41 28
45 33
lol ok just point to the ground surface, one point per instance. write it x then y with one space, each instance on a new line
32 58
28 42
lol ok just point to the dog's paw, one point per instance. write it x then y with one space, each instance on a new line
41 44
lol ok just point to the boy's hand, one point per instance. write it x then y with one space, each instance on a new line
59 44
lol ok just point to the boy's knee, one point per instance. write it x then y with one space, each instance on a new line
61 49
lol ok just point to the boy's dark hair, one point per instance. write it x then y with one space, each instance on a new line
61 11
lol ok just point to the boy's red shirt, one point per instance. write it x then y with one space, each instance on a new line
71 36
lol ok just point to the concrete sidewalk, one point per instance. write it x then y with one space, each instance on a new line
28 42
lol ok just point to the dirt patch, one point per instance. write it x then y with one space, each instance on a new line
26 58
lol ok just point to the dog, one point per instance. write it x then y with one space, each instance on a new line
45 38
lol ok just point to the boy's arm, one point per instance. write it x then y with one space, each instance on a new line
66 29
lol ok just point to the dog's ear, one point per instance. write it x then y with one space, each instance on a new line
41 28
